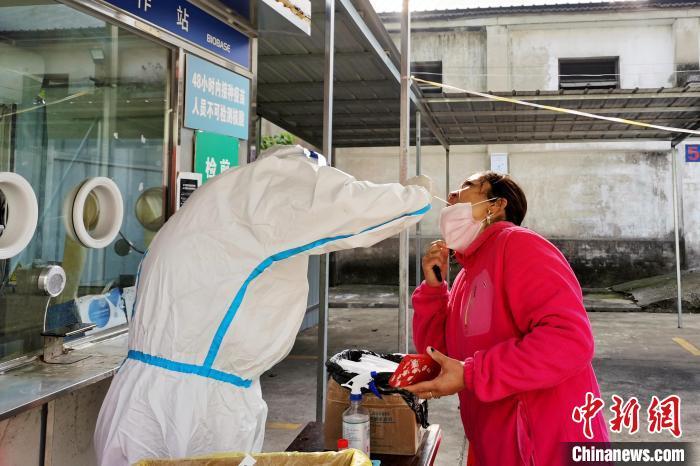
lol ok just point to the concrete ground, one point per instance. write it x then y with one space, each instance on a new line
653 294
636 355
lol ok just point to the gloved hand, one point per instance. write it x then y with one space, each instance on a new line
422 181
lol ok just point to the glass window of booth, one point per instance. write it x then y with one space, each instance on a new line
80 99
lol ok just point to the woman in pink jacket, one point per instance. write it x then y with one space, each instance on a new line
516 338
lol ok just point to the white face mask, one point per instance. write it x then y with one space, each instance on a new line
458 226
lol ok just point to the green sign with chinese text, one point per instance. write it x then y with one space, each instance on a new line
214 154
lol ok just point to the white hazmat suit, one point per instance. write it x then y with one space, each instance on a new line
221 295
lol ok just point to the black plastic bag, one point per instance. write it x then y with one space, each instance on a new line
381 381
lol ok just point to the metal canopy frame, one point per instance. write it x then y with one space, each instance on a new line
477 120
366 76
342 87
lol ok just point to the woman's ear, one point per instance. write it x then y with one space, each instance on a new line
499 208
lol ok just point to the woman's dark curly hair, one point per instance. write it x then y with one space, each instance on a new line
503 186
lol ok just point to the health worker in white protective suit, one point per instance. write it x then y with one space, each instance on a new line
221 295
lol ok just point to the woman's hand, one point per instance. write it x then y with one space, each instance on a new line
449 382
436 254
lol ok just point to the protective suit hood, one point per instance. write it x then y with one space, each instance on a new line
295 151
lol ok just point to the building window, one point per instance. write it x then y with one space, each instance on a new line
589 73
430 71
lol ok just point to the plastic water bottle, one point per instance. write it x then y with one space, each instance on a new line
356 424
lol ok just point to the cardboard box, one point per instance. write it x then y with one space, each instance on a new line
393 426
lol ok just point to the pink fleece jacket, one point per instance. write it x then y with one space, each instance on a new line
515 315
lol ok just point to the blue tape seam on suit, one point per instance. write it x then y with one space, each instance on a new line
206 369
231 313
189 368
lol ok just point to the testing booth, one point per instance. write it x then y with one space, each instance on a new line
112 112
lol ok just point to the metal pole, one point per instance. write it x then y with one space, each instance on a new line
418 172
447 196
675 153
447 173
174 155
254 119
255 144
258 135
403 172
323 270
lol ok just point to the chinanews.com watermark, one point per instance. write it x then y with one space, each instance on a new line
661 415
630 454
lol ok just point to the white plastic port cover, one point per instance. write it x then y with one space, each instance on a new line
110 217
23 213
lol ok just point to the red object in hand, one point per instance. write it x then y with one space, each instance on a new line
342 444
413 369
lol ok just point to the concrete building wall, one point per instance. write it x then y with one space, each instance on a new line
521 52
690 192
686 49
645 51
462 52
600 191
607 206
596 190
381 165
